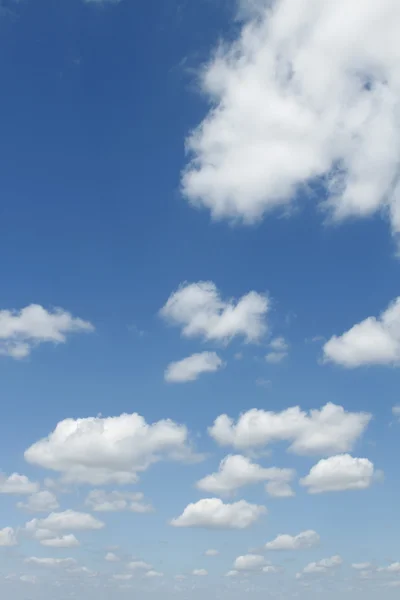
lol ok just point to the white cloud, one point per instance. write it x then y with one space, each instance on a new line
199 572
152 573
190 368
102 501
199 309
103 450
232 573
249 562
322 566
302 541
28 579
211 552
8 537
339 473
123 576
362 566
139 565
374 341
326 431
396 411
299 100
17 484
271 569
64 541
21 331
40 502
111 557
279 488
278 350
392 568
51 562
213 513
236 471
68 520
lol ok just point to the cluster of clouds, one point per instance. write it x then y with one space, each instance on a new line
199 310
298 102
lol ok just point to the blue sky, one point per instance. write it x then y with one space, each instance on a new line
199 218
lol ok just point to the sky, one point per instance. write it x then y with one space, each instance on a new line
200 308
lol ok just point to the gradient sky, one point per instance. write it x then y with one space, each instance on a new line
200 214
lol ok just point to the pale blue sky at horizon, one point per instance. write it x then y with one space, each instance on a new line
200 310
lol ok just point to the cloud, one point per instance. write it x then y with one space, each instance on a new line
60 521
102 501
28 579
199 572
152 573
279 350
123 576
51 562
199 309
139 565
232 573
362 566
64 541
104 450
236 471
190 368
249 562
326 431
21 331
392 568
17 484
322 566
111 557
214 514
211 552
374 341
339 473
43 501
298 104
302 541
8 537
396 411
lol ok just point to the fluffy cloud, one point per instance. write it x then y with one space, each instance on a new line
302 541
322 566
51 562
249 562
61 521
199 309
392 568
339 473
213 513
64 541
8 537
40 502
17 484
190 368
111 557
278 350
20 331
298 100
107 450
152 573
326 431
199 572
236 471
374 341
362 566
139 565
102 501
211 552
